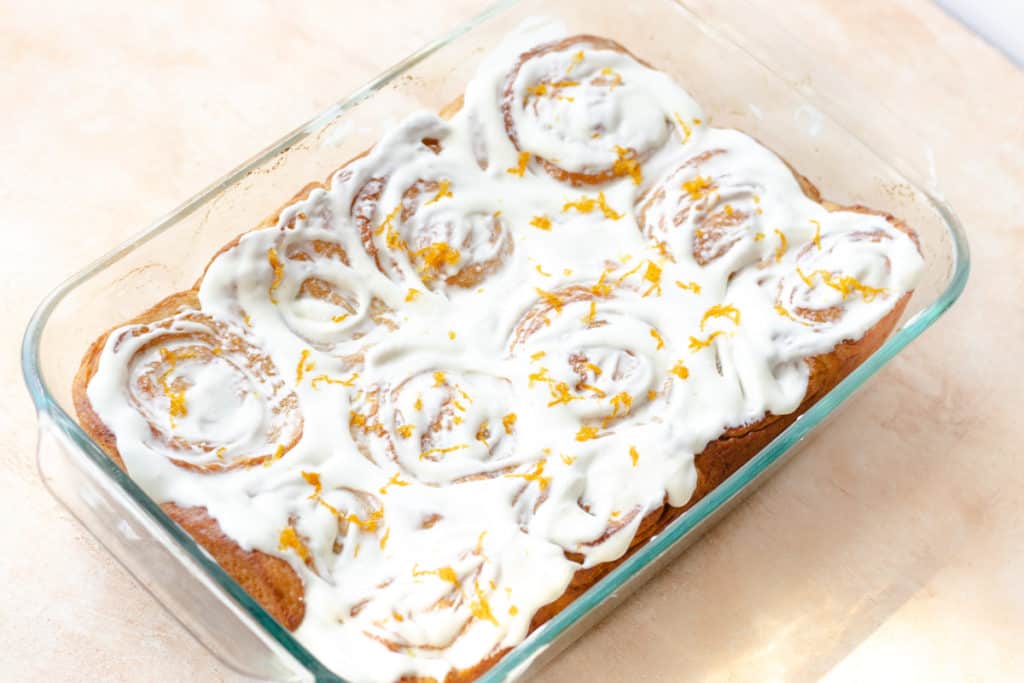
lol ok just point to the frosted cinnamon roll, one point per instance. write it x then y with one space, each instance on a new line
843 280
426 610
727 202
297 282
198 394
592 354
439 427
328 523
424 219
587 111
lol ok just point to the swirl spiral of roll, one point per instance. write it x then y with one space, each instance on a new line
430 230
299 278
702 210
593 356
821 292
212 401
439 427
357 515
565 105
427 610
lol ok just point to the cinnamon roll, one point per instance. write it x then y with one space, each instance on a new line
720 203
423 218
439 427
298 282
198 393
587 111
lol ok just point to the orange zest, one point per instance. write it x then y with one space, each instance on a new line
520 169
541 222
278 267
443 190
698 344
720 311
627 164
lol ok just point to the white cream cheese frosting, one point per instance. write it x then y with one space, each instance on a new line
475 361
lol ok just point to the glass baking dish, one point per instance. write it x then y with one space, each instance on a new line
744 69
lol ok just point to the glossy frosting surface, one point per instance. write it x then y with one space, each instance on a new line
489 348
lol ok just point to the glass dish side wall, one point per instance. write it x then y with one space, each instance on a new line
735 89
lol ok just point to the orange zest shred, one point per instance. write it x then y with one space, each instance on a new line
430 453
289 540
817 234
537 356
567 459
657 337
412 294
541 222
523 160
698 344
688 286
536 475
313 479
627 164
176 399
350 382
482 433
439 379
386 223
686 129
509 422
393 481
614 74
589 317
435 257
278 267
443 190
587 204
405 431
622 404
541 271
384 538
576 59
368 524
444 573
697 187
653 275
651 394
634 455
586 433
632 271
561 393
679 370
720 311
304 366
845 284
478 606
758 236
418 405
781 249
340 318
539 376
551 299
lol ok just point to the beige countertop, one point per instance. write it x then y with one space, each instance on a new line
892 549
